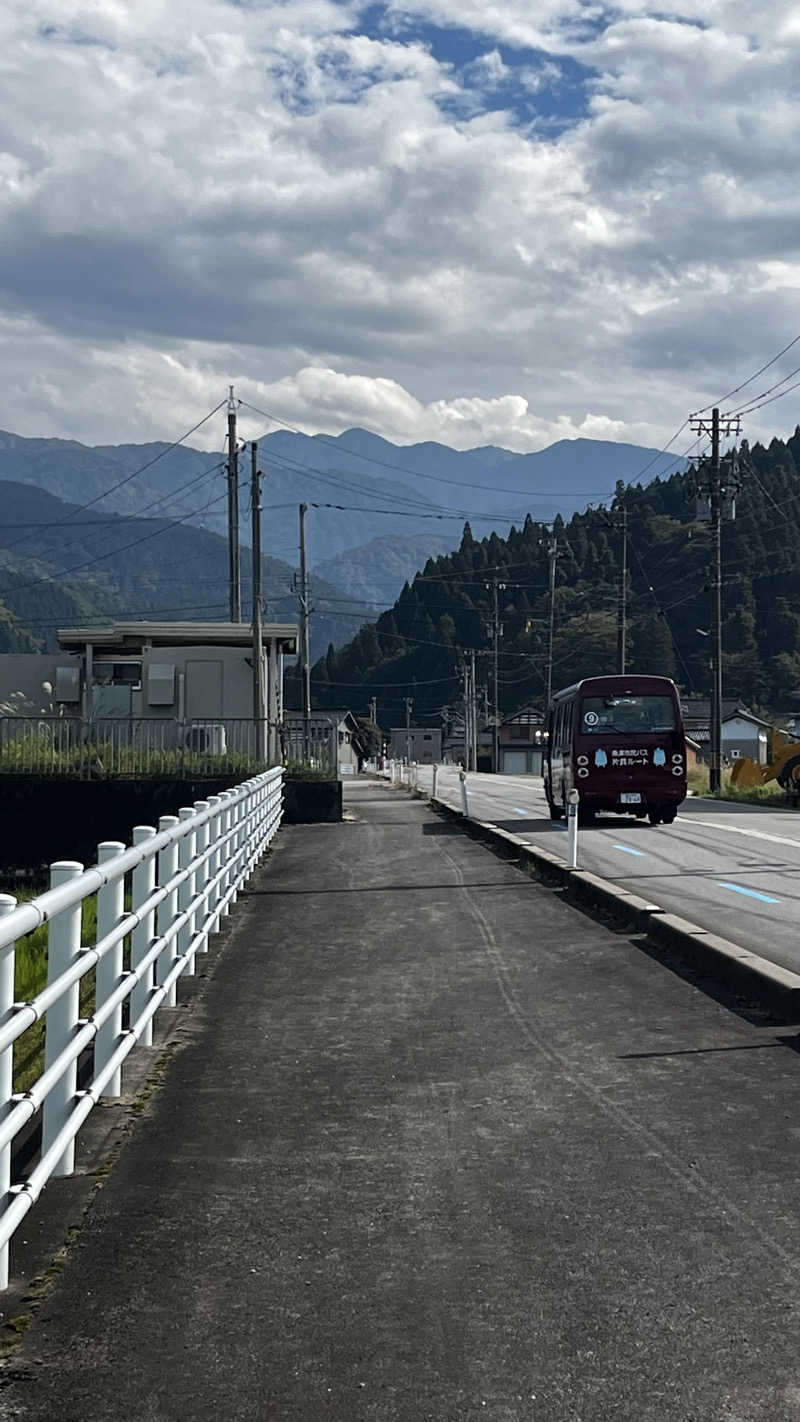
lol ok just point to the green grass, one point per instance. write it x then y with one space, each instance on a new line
769 794
31 754
298 770
30 976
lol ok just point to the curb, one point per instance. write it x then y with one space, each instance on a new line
774 986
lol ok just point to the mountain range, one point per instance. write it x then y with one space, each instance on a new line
376 510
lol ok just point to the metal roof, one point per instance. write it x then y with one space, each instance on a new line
133 635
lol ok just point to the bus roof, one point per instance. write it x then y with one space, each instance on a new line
632 684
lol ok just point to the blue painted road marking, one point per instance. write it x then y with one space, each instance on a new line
625 850
751 893
518 811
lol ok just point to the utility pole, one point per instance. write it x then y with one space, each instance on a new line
473 712
465 673
622 624
470 712
305 656
552 553
373 710
234 576
496 632
409 704
715 491
258 650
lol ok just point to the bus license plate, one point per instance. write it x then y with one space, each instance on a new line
630 799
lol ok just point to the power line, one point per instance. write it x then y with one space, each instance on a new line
404 469
750 379
92 562
128 477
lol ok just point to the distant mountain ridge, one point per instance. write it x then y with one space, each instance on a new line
360 489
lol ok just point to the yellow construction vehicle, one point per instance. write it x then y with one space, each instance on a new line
783 766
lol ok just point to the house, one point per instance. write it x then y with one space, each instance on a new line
334 740
142 672
415 743
520 739
743 733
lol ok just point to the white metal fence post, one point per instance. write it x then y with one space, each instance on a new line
226 850
168 908
64 945
464 796
215 829
143 882
572 829
7 905
236 845
186 852
204 872
110 908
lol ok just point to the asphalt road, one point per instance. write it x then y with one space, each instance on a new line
733 869
437 1147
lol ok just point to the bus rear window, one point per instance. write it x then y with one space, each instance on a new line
627 715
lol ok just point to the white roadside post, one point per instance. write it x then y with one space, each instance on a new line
7 905
462 775
435 778
572 829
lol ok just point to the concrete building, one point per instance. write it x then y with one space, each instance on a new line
179 672
418 744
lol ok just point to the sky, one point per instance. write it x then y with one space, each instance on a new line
474 221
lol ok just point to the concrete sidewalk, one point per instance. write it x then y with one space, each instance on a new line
439 1148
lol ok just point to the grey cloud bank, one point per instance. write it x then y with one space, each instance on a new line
198 192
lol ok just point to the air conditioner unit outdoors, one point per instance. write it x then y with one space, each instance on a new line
206 737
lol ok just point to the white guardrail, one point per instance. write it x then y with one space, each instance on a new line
182 877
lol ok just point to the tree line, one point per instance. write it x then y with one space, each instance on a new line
415 648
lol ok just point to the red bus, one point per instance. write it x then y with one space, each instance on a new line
619 741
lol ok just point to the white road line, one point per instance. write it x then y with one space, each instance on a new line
738 829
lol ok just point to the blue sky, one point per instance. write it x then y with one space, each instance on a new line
473 221
536 88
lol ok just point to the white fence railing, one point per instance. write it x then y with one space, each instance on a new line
181 878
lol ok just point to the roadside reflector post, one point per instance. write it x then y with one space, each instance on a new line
435 778
572 829
464 798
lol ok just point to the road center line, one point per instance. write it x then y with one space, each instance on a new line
751 893
627 850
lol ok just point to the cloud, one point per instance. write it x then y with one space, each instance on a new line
366 232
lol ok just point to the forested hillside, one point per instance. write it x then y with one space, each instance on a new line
413 649
61 565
